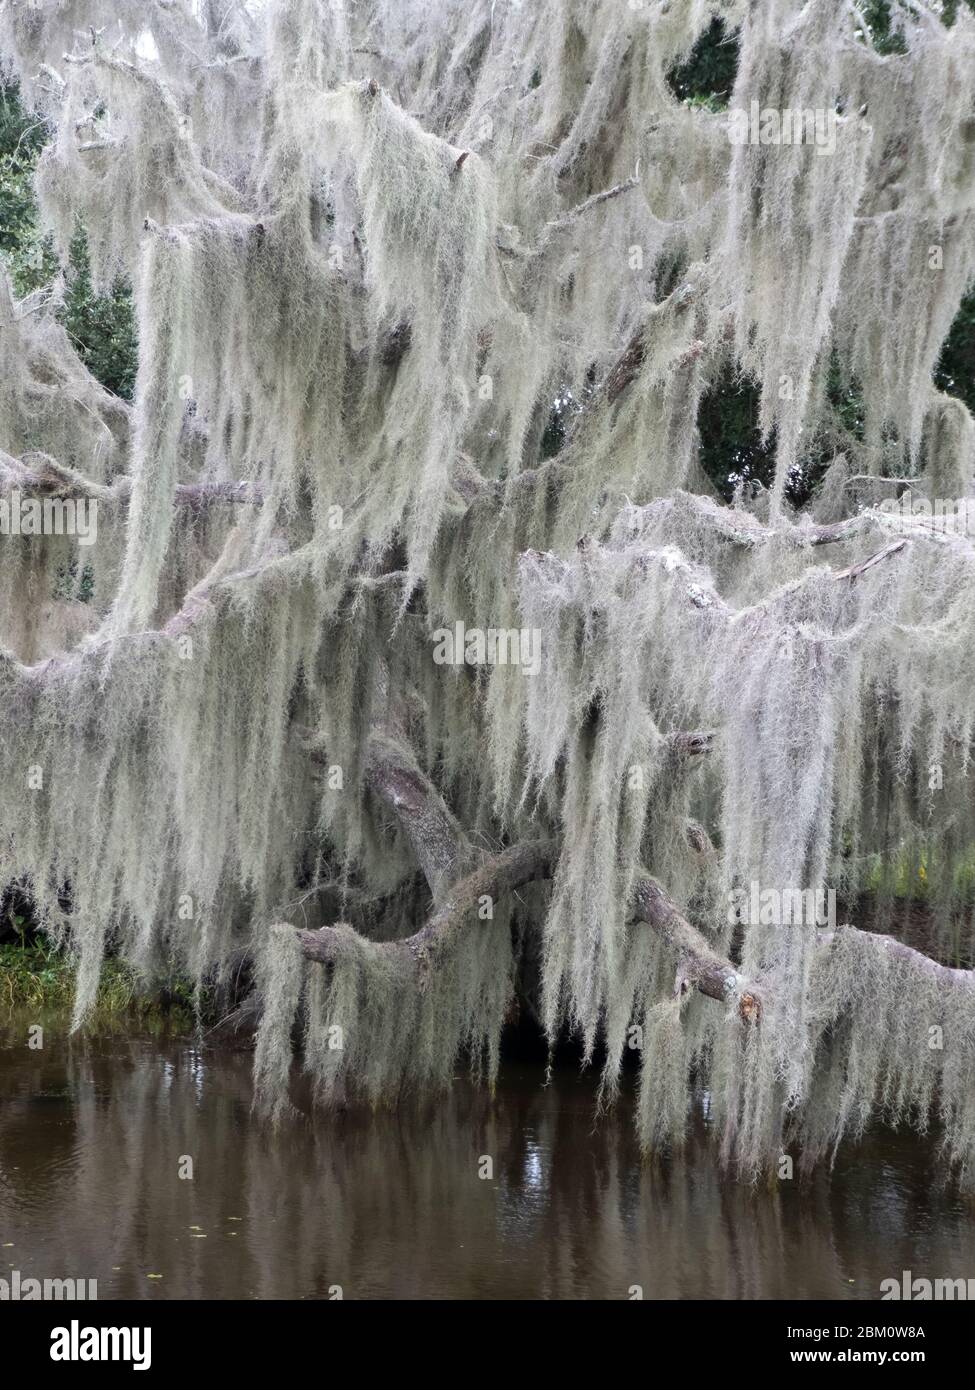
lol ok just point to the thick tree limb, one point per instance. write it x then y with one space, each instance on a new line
741 528
717 978
197 496
41 475
950 977
700 966
196 605
626 367
441 848
200 598
421 951
439 845
422 810
699 839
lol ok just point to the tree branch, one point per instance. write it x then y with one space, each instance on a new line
854 571
700 966
426 947
951 977
691 744
440 846
43 475
628 366
559 224
442 849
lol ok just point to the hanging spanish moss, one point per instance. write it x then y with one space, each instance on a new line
412 656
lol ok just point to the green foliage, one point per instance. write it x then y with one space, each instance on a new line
950 9
708 75
732 451
877 19
35 973
28 256
39 976
956 370
102 327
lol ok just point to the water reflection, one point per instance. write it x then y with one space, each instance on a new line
93 1135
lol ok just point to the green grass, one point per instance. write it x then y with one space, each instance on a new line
40 977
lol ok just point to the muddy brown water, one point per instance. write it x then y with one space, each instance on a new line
94 1135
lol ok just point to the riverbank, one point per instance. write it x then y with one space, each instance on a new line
36 976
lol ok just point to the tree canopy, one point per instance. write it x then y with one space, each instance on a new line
426 658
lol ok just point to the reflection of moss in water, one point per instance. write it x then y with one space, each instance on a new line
570 1211
37 976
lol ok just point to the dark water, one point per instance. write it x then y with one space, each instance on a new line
92 1136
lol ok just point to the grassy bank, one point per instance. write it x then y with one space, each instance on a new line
35 975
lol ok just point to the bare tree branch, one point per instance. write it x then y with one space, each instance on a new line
854 571
559 224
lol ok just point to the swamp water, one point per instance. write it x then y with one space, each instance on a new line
95 1134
